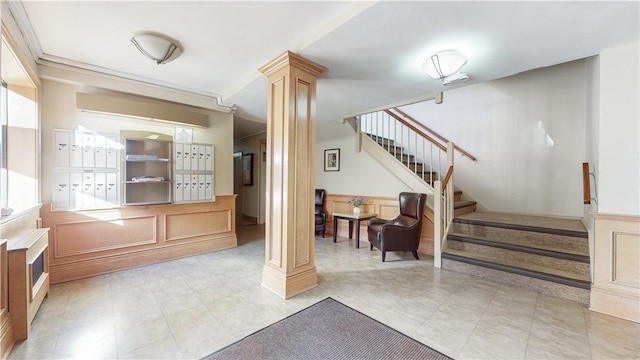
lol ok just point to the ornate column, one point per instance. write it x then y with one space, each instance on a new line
289 231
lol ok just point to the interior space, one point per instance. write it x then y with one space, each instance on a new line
176 177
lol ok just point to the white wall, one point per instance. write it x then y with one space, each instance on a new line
359 174
619 131
58 111
527 132
592 135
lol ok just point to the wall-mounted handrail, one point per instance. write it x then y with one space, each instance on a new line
586 185
435 134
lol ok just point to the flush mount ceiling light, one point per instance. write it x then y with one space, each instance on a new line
445 66
156 47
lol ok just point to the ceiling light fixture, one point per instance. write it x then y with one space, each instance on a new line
445 66
156 47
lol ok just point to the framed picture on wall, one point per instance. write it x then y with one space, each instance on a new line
247 169
332 160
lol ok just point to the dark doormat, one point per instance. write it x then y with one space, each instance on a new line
327 330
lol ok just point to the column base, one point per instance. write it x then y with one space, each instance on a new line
287 286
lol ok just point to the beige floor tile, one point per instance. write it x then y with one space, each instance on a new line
485 343
40 348
97 344
134 316
188 318
204 339
135 337
163 311
166 348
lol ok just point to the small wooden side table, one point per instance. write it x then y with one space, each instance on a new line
351 218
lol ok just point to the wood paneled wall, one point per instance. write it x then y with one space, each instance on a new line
88 243
616 282
7 339
385 207
13 230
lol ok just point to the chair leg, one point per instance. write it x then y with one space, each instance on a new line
415 255
383 255
323 234
370 247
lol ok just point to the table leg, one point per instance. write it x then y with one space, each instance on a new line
335 228
358 234
350 229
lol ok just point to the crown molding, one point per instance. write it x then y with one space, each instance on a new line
203 99
24 25
77 75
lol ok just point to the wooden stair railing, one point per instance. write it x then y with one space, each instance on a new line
442 139
417 130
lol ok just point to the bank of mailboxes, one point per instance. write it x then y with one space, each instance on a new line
85 189
193 175
85 170
192 187
195 157
85 150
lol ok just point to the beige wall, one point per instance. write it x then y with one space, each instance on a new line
58 111
359 173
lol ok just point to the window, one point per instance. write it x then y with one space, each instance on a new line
3 144
19 138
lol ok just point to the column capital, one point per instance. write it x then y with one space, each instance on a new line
289 58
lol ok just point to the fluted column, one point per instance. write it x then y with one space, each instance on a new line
289 231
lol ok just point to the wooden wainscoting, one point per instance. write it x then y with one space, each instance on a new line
88 243
385 207
7 339
615 289
14 229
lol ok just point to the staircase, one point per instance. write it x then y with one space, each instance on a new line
424 172
547 254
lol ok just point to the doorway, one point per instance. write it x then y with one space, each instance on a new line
237 185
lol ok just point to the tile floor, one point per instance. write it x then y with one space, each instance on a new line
188 308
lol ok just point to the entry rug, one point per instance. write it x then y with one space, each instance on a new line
327 330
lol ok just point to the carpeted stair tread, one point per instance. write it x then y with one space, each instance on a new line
534 222
554 275
525 240
463 203
549 251
575 268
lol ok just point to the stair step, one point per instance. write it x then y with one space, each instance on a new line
545 253
515 267
381 140
547 261
549 251
463 203
461 207
552 225
526 238
405 158
392 149
543 241
552 285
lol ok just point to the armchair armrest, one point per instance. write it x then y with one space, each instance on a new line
394 231
377 221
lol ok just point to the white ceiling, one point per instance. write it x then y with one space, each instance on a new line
373 50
